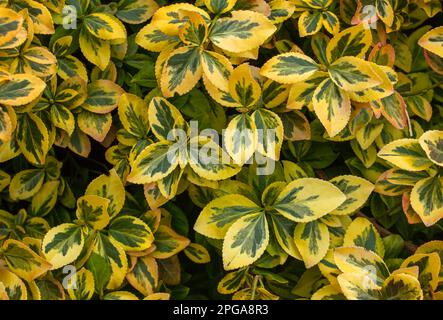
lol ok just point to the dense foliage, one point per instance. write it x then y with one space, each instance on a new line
218 149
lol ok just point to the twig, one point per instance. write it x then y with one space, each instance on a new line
321 174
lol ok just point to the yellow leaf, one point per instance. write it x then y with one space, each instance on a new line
353 41
104 26
289 68
243 31
308 199
219 214
245 241
432 143
181 71
362 233
332 106
406 154
312 240
433 41
353 74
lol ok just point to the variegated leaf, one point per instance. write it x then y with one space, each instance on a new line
245 241
131 233
308 199
312 241
289 68
427 199
433 41
63 244
219 214
332 106
406 154
432 143
243 31
357 191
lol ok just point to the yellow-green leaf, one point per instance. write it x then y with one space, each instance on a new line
309 23
92 210
95 125
353 74
308 199
20 89
104 26
23 261
133 114
353 41
245 241
406 154
243 87
209 160
155 162
401 287
219 214
432 143
240 138
217 69
168 243
363 262
13 286
136 11
429 265
95 50
269 133
10 25
63 244
164 118
131 233
358 286
328 292
332 106
312 241
197 253
144 275
44 201
181 71
427 199
32 137
357 191
111 188
362 233
289 68
84 285
151 38
284 233
331 22
220 6
433 41
385 11
103 96
232 281
243 31
26 183
111 256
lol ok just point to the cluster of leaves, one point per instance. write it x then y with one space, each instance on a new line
106 107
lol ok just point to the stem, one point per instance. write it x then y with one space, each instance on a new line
385 232
254 286
211 26
438 226
321 174
413 93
